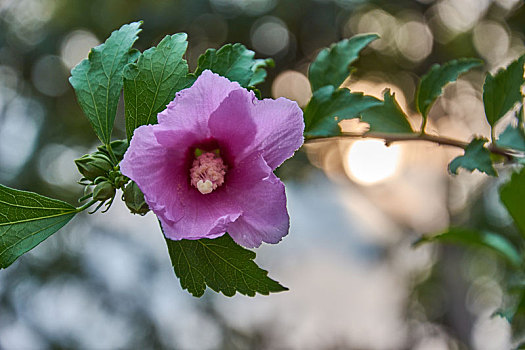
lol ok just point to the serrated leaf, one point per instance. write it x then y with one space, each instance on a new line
26 219
234 62
151 83
512 195
432 84
220 264
259 70
329 106
387 117
469 237
502 91
512 137
476 157
332 65
98 81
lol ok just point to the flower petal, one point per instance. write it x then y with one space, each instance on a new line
262 198
205 216
257 135
192 107
232 124
280 127
159 171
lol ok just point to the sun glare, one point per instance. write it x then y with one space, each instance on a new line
370 161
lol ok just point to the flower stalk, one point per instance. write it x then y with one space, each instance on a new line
440 140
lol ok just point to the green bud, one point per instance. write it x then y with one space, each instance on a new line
103 191
118 147
120 181
117 179
134 199
93 165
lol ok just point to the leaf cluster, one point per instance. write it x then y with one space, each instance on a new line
330 103
501 93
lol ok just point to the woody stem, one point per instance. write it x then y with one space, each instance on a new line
440 140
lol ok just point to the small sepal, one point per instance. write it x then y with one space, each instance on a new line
93 165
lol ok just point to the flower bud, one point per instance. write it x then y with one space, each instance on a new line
120 181
103 191
118 147
93 165
134 199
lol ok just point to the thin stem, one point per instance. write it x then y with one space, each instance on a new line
111 154
440 140
87 205
423 125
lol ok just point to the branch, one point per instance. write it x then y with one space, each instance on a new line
440 140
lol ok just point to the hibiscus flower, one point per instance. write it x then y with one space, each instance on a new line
207 167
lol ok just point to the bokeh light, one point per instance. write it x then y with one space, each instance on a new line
50 76
76 46
9 81
370 161
270 36
18 135
491 41
461 15
27 18
56 164
414 40
376 21
249 7
292 85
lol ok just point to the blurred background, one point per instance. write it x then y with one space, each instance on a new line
105 281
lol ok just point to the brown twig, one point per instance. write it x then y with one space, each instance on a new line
440 140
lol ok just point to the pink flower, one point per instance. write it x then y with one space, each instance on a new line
207 167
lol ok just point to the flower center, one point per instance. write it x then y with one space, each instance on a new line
207 172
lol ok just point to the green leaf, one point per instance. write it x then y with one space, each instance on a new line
495 242
328 107
26 219
220 264
431 85
512 195
512 137
259 70
151 83
332 65
98 81
476 157
387 117
502 91
234 62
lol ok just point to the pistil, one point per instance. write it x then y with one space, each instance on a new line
207 171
